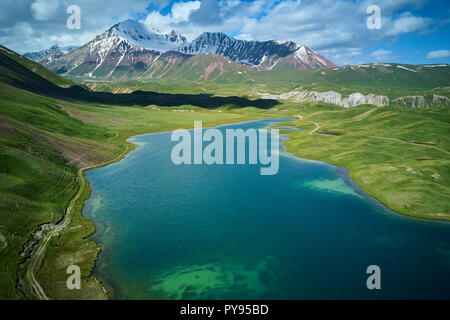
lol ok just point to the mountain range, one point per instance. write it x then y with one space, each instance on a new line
254 53
48 55
130 50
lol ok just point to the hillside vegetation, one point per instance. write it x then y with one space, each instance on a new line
47 134
51 129
403 85
399 156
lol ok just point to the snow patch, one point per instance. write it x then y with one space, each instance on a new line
404 68
434 65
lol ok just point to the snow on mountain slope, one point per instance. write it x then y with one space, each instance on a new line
138 34
126 48
265 54
47 55
134 34
310 57
129 48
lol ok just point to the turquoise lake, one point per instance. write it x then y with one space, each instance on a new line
226 232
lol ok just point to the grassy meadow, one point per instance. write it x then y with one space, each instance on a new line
397 155
52 129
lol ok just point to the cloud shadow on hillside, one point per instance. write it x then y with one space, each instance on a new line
145 98
21 77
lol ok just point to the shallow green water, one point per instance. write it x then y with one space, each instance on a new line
226 232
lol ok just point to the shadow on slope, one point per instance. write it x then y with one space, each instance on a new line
17 75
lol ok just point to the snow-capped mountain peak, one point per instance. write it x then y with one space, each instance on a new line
130 48
175 37
310 57
138 34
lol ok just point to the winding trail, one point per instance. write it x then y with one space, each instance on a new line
365 114
387 138
316 128
115 136
38 254
412 143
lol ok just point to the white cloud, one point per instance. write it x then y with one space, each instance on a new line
344 56
43 10
29 25
25 29
335 28
407 23
244 36
180 14
191 19
319 24
439 54
324 24
182 10
383 55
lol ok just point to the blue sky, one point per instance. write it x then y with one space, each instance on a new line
412 31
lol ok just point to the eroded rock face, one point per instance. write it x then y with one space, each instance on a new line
357 99
328 97
353 100
422 101
378 100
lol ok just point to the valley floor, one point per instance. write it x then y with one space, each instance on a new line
398 155
51 130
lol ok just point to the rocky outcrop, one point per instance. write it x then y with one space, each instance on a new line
426 101
357 99
353 100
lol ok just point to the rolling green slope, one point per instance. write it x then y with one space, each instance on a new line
37 139
398 155
391 80
394 80
35 67
37 179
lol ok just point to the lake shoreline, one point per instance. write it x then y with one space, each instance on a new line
380 201
130 147
343 172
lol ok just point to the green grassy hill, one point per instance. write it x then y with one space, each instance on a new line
391 80
398 155
33 66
